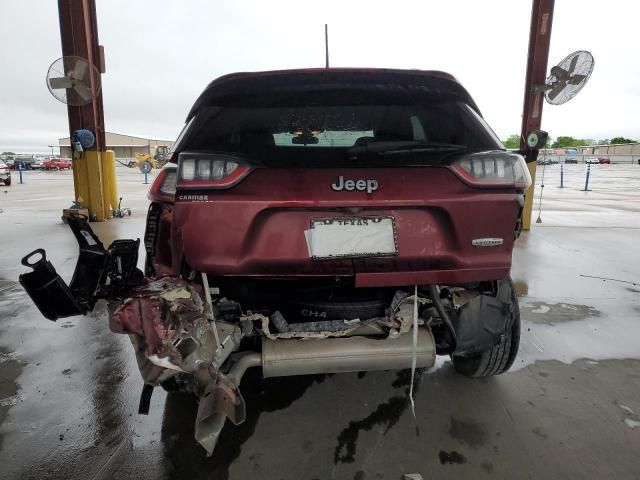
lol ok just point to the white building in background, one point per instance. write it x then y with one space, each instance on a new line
615 149
124 146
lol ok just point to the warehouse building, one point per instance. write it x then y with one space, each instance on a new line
124 146
615 149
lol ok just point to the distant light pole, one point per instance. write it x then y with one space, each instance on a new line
326 45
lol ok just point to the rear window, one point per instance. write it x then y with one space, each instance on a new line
276 134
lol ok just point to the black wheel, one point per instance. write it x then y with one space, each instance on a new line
180 383
497 359
7 182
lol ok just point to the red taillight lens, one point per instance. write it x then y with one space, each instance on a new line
493 170
163 188
197 170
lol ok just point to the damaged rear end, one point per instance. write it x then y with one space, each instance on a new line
311 222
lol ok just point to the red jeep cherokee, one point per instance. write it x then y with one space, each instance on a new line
312 221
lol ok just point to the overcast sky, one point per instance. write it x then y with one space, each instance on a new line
160 54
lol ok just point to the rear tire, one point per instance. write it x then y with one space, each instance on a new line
497 359
7 182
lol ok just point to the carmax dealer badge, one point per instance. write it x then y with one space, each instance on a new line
487 242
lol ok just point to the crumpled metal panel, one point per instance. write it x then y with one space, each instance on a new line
167 319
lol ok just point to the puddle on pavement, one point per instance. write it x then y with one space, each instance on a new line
386 415
551 313
185 456
12 299
10 369
467 432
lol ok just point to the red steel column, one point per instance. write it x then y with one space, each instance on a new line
539 41
79 34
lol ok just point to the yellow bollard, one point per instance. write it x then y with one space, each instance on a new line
528 198
109 182
87 181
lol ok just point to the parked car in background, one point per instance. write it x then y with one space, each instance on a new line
24 161
38 164
546 161
571 155
57 164
5 173
597 160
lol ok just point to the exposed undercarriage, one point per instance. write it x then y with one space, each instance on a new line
201 333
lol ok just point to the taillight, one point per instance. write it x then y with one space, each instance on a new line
210 170
493 170
163 188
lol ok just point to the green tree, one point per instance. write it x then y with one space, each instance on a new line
7 154
512 142
619 140
564 142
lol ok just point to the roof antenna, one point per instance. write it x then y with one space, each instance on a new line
326 45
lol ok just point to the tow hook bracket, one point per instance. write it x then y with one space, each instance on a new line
48 291
99 273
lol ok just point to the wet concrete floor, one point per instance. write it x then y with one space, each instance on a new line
570 408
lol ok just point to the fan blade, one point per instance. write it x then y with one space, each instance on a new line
60 82
555 91
574 62
79 70
577 79
84 92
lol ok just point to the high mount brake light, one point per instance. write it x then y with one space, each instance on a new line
198 170
493 170
163 188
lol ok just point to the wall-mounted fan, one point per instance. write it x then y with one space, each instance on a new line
568 77
73 80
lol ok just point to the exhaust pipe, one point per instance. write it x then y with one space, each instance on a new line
281 358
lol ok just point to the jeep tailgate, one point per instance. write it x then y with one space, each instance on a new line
257 228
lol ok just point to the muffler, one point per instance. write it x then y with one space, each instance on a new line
285 357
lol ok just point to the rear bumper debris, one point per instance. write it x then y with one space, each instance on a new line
178 331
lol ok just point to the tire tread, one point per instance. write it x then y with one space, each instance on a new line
497 359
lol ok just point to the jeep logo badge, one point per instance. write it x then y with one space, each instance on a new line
369 184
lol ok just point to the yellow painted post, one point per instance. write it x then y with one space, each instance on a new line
109 182
528 198
87 177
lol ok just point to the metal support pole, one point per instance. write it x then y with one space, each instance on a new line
539 40
326 45
561 175
586 180
79 34
20 172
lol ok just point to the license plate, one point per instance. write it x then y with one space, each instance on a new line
352 237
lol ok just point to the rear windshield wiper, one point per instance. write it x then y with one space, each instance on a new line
390 148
